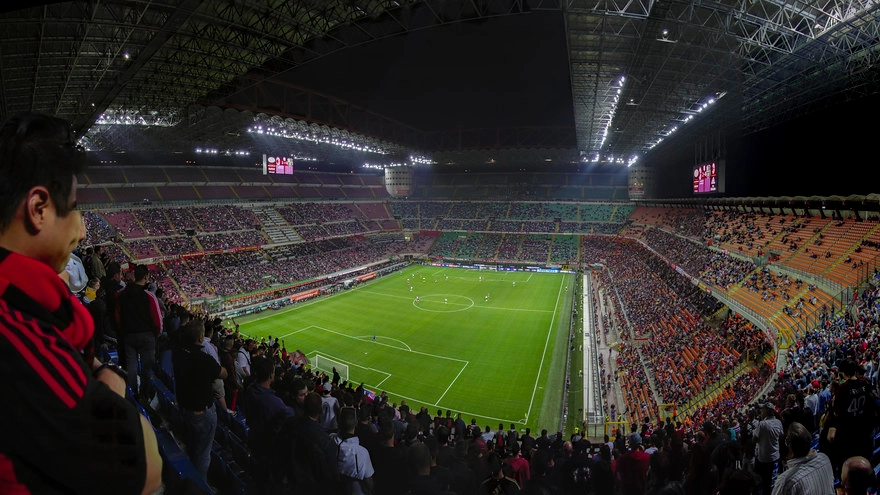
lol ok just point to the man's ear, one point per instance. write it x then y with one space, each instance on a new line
36 203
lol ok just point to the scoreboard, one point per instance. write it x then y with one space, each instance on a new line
281 165
706 177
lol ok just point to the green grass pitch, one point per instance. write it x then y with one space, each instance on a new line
501 360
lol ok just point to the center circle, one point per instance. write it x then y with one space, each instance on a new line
443 303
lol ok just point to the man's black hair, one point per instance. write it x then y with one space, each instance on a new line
262 368
192 331
36 150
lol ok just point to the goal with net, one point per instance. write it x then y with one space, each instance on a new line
326 365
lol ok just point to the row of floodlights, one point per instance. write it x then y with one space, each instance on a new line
689 115
215 151
411 161
315 138
597 158
612 111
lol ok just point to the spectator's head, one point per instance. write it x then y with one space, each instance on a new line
635 441
856 476
312 405
300 390
739 482
193 332
141 272
386 430
365 414
263 370
850 368
347 419
542 462
419 458
494 466
39 161
433 448
114 270
798 439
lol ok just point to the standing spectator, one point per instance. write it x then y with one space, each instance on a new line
96 262
497 483
66 424
528 443
314 454
487 435
387 459
267 416
854 416
231 385
460 428
366 430
140 322
112 284
766 431
243 360
421 480
632 467
210 349
518 465
98 309
329 409
544 441
299 389
194 374
807 472
353 460
811 405
512 438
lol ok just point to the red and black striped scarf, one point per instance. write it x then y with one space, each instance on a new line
34 288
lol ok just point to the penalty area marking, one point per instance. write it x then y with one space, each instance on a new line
369 338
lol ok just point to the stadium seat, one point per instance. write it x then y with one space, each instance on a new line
238 426
177 470
167 404
226 472
222 436
240 452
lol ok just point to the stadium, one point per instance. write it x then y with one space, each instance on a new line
638 227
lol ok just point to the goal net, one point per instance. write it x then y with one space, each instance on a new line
326 365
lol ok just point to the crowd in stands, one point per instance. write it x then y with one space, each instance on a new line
462 460
667 353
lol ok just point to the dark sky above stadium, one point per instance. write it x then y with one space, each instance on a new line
501 72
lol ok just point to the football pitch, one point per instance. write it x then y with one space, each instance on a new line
489 344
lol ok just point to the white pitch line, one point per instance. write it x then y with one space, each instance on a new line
544 354
297 306
369 338
453 381
351 364
523 310
391 346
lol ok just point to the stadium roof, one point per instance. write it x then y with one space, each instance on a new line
573 79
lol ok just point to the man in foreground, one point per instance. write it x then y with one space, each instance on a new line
67 426
808 472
